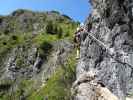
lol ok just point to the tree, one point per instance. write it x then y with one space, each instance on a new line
60 31
49 28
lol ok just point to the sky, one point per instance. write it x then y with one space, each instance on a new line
76 9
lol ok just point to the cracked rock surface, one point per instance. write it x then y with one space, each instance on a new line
111 22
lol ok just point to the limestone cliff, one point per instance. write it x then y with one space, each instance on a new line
112 63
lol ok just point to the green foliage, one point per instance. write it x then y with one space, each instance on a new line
5 86
50 28
6 32
45 49
44 44
41 38
9 42
67 17
24 86
59 85
1 19
60 33
14 37
19 62
17 34
67 34
56 12
18 12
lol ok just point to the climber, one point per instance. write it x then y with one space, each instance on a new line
77 38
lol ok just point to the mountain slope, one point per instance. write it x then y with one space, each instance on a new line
33 47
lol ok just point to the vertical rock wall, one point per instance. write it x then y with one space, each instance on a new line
111 22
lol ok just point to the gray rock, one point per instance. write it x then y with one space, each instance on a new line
111 24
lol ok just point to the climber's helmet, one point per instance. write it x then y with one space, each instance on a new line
78 29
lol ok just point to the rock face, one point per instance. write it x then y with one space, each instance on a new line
111 23
33 46
23 21
24 61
